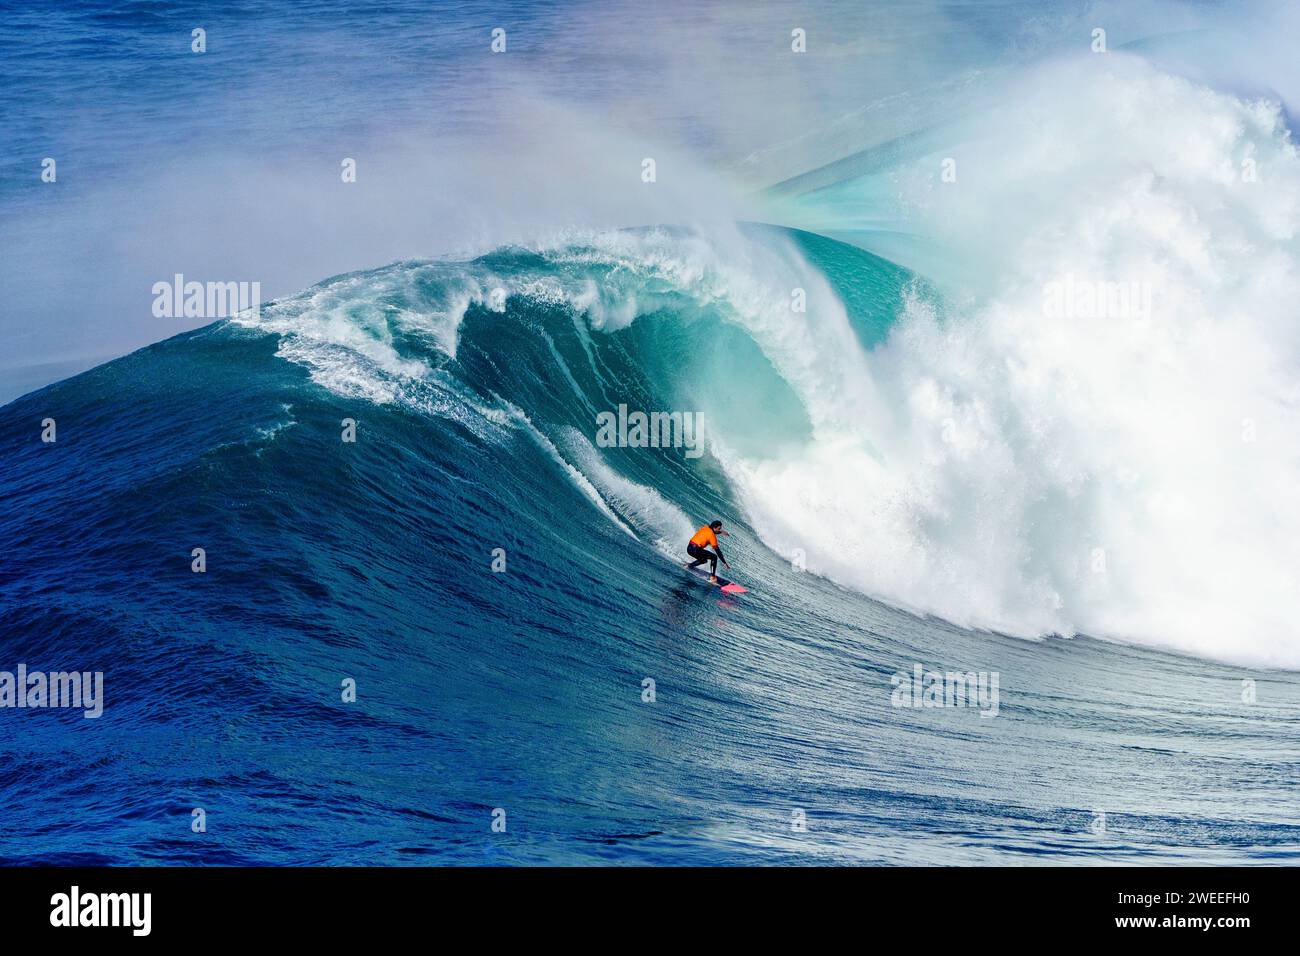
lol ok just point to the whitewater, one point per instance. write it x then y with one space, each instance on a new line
1123 475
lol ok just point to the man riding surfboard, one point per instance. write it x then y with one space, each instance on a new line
707 535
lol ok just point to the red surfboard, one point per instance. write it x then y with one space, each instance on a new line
728 587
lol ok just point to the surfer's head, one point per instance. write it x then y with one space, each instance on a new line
715 525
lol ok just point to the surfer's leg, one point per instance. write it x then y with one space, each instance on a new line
699 554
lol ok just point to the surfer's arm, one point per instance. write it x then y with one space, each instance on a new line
718 548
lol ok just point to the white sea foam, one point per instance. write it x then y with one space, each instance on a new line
656 518
579 480
1126 476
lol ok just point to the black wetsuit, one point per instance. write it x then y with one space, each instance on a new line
702 554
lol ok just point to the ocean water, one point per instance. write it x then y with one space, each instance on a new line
922 467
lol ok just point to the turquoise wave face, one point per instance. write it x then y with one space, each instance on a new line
507 596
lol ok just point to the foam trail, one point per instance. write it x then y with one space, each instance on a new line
642 506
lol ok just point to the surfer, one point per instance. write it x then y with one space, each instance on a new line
707 535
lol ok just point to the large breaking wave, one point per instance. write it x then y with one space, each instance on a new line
981 456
